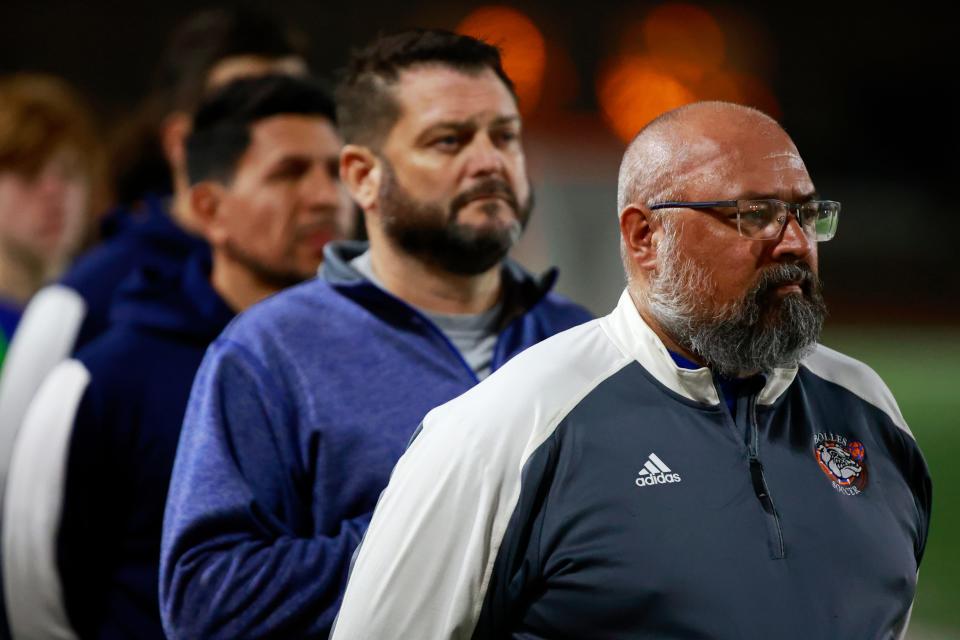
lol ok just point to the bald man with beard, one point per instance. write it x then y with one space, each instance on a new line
693 465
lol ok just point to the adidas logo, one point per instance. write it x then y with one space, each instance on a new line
655 472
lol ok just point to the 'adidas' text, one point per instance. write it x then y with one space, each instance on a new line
655 472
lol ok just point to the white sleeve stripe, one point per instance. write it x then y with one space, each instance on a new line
542 436
33 505
857 378
426 564
44 337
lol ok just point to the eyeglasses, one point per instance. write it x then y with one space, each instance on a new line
765 219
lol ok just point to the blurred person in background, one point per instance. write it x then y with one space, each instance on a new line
303 405
693 465
154 225
51 179
262 159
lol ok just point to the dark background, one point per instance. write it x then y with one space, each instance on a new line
866 92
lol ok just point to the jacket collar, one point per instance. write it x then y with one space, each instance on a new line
180 300
522 290
634 337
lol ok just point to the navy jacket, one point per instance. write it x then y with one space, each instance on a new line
9 317
299 412
593 489
145 237
123 444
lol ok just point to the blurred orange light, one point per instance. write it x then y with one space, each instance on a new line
674 56
720 85
741 88
521 44
685 33
633 90
758 95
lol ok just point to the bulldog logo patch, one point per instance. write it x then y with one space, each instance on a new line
843 462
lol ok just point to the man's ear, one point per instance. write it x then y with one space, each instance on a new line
360 172
173 137
637 227
205 199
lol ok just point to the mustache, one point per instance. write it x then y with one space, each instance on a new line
489 188
789 273
327 223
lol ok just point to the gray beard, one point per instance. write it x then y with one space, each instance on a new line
757 333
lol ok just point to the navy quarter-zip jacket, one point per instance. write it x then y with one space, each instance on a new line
123 443
142 238
593 489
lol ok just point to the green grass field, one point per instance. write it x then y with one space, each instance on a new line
922 368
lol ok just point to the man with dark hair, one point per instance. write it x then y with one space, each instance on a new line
263 162
693 465
305 403
155 225
367 106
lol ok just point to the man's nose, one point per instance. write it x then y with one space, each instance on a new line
53 185
793 239
485 157
320 188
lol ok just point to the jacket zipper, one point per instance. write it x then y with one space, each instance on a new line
495 360
432 327
760 483
456 352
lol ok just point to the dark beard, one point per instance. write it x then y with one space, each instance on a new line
425 230
271 276
759 332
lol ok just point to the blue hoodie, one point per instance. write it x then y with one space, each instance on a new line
123 444
147 237
298 414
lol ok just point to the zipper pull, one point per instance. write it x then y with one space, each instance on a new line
760 484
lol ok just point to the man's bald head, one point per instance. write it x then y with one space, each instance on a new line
693 145
736 303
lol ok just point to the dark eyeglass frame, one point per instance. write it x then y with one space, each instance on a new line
794 208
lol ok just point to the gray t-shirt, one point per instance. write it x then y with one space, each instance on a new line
474 335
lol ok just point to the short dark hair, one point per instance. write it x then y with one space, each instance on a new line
366 108
221 126
180 81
